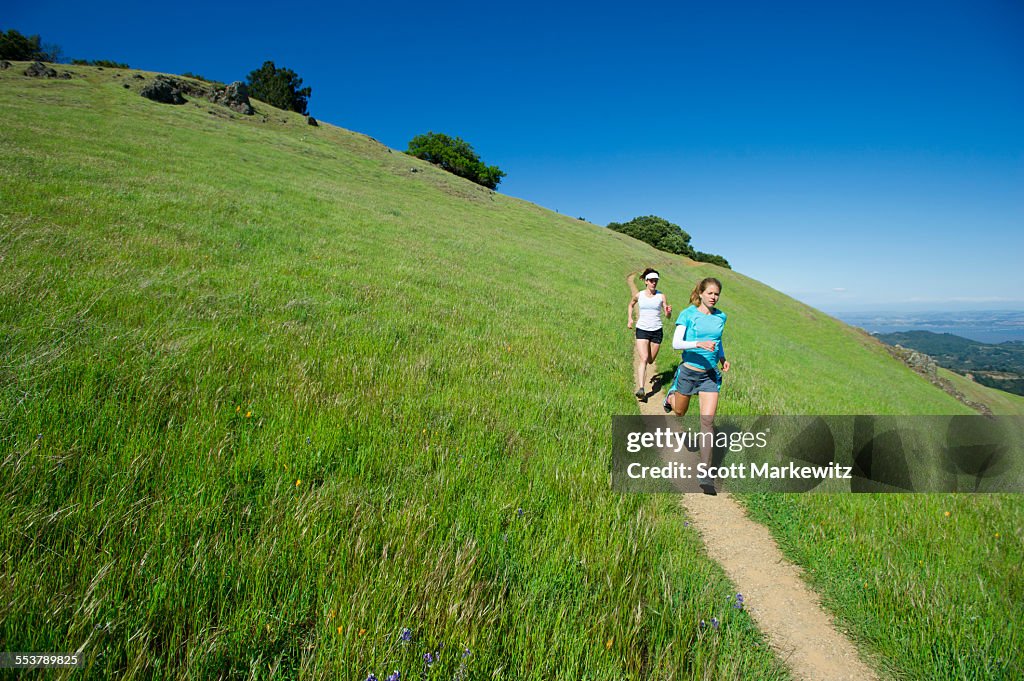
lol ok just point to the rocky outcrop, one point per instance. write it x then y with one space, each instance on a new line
4 64
918 361
40 70
234 97
187 87
164 90
312 121
927 367
169 90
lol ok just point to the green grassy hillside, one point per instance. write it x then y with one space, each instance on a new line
1000 402
272 394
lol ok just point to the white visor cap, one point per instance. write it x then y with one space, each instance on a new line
652 275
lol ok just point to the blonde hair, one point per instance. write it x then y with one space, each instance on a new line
702 286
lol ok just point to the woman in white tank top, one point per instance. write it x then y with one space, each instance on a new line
651 303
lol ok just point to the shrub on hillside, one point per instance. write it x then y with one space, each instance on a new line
18 47
658 232
279 87
665 236
105 63
701 256
456 156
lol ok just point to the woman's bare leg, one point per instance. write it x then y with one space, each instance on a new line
653 355
643 348
679 403
708 406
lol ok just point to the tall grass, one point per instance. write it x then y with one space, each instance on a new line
268 398
931 583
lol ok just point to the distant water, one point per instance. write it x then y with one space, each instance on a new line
984 327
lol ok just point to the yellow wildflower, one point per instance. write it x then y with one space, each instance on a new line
608 643
298 482
947 514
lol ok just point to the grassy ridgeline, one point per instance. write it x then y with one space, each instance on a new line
269 397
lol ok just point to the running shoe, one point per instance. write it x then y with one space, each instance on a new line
666 406
708 486
640 393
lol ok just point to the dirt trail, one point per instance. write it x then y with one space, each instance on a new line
785 609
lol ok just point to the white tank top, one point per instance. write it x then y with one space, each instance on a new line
650 311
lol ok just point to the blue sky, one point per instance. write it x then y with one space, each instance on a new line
866 156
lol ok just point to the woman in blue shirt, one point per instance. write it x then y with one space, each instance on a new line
699 335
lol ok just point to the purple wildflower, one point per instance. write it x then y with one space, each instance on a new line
703 624
395 676
371 677
520 512
406 635
739 602
428 658
714 622
466 653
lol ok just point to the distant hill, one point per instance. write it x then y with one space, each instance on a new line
998 366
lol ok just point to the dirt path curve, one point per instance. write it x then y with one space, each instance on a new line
785 609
